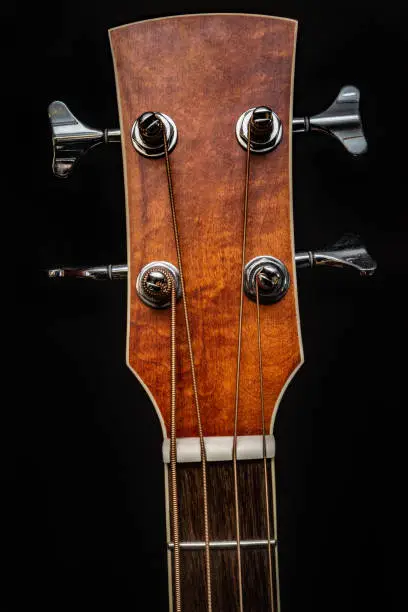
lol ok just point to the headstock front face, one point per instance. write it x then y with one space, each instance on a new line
204 71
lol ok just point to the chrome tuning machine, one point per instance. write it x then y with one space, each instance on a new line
153 284
267 276
71 138
147 134
348 252
341 120
265 129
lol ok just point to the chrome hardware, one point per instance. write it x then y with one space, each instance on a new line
147 135
153 284
71 139
266 129
272 277
110 272
348 252
223 544
342 120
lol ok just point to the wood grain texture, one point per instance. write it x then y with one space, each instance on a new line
204 71
222 527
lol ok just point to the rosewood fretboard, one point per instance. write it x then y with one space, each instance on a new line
223 527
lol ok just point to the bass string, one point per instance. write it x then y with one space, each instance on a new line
265 461
238 374
262 406
194 379
173 451
173 440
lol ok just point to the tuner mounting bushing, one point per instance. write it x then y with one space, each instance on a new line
153 284
147 134
266 129
272 277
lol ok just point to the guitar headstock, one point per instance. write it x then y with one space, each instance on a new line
203 76
213 331
205 82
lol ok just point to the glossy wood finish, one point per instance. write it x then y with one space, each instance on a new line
204 71
222 527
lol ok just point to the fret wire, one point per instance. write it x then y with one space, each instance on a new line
223 544
241 308
268 525
193 373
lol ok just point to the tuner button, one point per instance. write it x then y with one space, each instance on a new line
341 120
70 138
348 252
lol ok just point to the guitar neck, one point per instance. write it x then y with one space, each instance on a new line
222 526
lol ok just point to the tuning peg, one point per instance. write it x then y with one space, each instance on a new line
71 139
342 120
348 252
109 272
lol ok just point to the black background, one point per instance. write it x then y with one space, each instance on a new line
83 488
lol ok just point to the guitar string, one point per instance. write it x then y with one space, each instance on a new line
238 373
173 452
193 374
265 462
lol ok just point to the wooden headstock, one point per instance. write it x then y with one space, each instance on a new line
204 71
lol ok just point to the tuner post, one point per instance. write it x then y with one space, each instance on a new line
154 281
72 139
272 277
265 129
112 135
148 133
348 252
